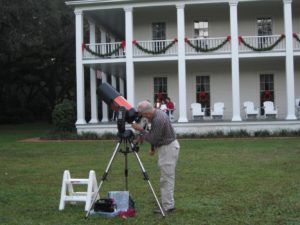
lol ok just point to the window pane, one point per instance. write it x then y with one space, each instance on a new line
264 26
201 28
160 88
266 89
203 93
196 25
159 31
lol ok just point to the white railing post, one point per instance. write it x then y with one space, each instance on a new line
104 105
79 69
289 60
235 62
129 54
93 81
181 64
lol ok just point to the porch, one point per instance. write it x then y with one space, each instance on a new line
204 127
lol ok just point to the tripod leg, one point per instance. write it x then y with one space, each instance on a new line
126 152
147 178
103 178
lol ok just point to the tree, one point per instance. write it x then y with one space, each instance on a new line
36 58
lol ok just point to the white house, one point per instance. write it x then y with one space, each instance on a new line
205 51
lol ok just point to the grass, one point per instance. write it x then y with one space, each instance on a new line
218 181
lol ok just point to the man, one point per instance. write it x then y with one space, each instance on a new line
162 136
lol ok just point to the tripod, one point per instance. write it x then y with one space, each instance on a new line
127 138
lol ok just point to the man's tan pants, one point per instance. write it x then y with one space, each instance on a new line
167 158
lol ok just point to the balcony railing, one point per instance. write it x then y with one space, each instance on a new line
193 46
155 47
297 42
196 46
272 43
104 50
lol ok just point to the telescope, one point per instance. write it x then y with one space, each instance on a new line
126 113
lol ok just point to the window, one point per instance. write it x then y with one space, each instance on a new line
160 88
158 34
201 29
264 28
159 31
203 93
266 88
201 32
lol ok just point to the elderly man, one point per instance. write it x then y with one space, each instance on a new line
162 136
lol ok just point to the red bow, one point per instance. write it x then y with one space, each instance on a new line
202 94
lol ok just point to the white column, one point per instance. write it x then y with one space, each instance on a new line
289 61
104 105
181 64
114 81
121 86
235 76
79 69
129 54
93 81
103 35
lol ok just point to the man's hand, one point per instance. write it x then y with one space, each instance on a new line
137 126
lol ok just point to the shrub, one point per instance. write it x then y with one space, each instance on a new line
63 116
262 133
238 133
88 135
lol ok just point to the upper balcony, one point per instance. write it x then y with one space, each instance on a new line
208 47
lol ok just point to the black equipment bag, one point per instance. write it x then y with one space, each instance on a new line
105 205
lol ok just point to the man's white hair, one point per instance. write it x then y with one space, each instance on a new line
145 106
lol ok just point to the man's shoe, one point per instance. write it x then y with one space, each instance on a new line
170 210
165 211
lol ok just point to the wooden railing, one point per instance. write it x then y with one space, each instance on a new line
103 50
155 48
271 43
297 43
196 46
193 46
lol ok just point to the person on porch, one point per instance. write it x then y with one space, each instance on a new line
157 103
170 106
163 106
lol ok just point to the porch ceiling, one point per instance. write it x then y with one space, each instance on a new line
112 20
116 69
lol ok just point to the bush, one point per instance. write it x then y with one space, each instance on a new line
63 116
262 133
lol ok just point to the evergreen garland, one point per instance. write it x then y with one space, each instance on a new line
201 49
196 47
268 48
122 45
161 51
296 37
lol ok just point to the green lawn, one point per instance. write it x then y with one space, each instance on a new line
218 181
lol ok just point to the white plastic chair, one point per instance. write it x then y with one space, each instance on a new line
171 113
197 111
163 107
250 110
270 109
218 110
297 105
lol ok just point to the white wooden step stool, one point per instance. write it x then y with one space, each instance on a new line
69 195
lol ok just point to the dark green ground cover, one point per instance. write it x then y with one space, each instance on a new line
218 181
